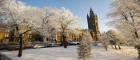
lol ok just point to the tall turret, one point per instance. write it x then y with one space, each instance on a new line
93 28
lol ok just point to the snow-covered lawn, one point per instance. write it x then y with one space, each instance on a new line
70 53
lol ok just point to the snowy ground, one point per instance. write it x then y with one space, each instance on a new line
59 53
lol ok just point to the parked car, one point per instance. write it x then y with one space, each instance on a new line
38 46
73 43
15 46
12 47
28 46
52 45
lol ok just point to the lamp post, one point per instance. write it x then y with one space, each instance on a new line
19 37
20 46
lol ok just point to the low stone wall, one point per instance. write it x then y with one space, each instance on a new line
4 57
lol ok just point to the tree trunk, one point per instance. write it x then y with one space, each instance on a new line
136 34
115 46
64 42
119 46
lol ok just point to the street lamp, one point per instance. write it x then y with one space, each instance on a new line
20 46
19 37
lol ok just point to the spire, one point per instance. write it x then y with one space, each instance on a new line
87 17
91 11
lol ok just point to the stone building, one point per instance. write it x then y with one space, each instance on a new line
73 35
13 37
3 34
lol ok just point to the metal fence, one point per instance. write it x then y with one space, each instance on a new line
4 57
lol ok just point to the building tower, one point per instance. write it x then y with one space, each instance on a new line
93 28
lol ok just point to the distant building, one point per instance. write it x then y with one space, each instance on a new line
93 28
13 37
3 33
74 35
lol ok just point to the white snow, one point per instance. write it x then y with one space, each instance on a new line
70 53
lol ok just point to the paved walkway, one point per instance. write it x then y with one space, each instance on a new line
70 53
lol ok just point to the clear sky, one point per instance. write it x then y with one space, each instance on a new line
79 8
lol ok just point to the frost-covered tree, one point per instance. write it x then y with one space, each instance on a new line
84 49
17 14
115 38
104 38
125 14
62 20
14 12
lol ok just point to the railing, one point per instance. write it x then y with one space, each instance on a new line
4 57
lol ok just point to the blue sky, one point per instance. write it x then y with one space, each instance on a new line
79 8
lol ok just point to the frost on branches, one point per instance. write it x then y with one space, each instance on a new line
84 49
125 18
